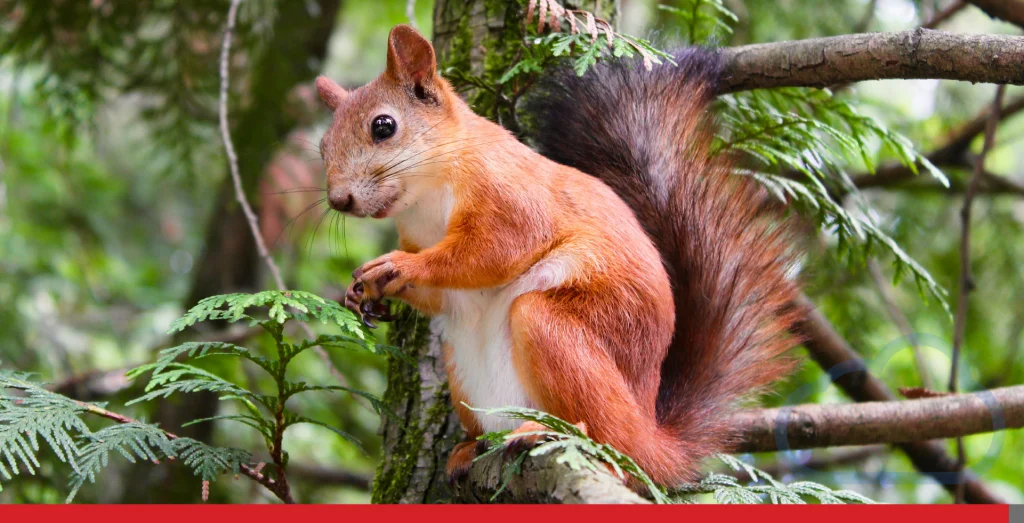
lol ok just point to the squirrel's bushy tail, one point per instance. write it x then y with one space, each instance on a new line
647 135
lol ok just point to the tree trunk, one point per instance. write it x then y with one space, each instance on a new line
478 37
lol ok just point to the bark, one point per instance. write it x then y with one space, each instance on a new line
1009 10
920 53
541 480
849 372
906 421
418 441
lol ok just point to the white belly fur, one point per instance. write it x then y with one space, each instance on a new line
476 325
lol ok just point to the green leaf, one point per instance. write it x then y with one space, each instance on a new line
209 462
182 378
728 490
33 415
281 306
133 441
577 451
799 143
199 350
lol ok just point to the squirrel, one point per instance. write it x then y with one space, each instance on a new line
622 278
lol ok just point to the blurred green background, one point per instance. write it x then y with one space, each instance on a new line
114 216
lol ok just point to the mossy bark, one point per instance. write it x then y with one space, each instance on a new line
481 38
417 442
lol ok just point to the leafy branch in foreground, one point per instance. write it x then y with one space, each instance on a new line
783 134
763 487
29 412
267 413
579 452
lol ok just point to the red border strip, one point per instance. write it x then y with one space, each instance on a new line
505 513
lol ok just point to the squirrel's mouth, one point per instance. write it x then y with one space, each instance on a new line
385 209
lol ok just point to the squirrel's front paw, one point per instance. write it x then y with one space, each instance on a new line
371 283
381 277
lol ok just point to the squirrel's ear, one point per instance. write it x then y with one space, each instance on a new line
331 93
411 60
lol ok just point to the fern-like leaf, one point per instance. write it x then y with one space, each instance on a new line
133 441
183 378
33 414
209 462
764 488
578 451
811 133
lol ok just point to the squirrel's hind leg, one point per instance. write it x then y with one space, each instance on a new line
568 373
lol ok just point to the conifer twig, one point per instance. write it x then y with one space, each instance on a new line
966 281
280 489
879 422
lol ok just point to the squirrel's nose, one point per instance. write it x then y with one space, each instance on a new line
341 200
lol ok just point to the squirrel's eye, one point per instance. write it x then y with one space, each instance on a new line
382 127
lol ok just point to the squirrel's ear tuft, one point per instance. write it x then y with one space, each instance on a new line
331 93
411 59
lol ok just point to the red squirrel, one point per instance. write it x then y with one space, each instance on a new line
624 280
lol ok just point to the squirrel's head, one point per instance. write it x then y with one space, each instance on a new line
384 147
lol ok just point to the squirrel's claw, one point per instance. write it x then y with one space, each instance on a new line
369 324
374 310
367 313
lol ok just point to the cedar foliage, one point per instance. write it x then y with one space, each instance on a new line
30 413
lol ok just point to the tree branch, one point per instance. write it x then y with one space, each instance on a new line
252 473
542 479
1009 10
243 201
899 421
915 54
330 476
